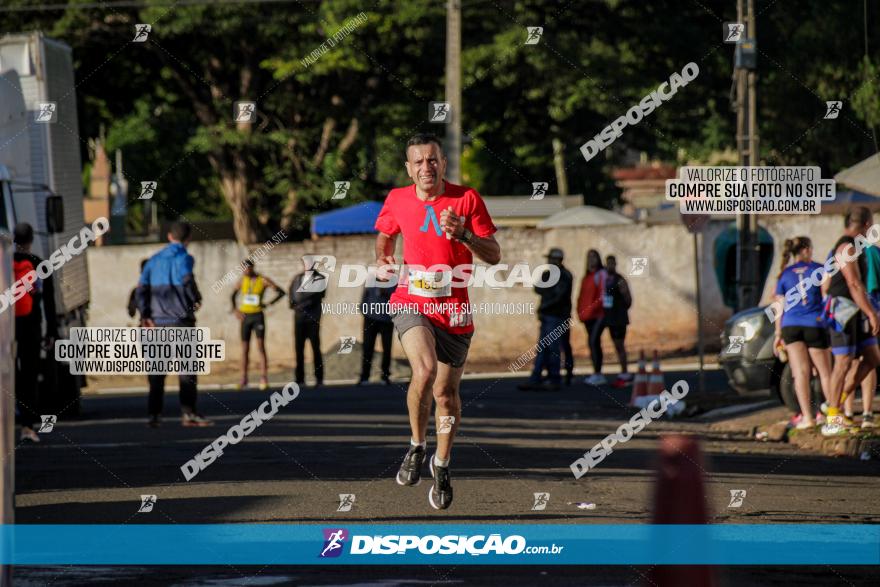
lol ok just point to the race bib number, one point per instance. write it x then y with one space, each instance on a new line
607 301
251 300
430 284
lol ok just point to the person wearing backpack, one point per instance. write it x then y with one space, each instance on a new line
859 323
33 311
307 289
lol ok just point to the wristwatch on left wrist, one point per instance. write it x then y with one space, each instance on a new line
466 236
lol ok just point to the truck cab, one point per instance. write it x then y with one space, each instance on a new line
41 180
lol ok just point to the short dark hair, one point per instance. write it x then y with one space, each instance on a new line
23 234
859 215
248 263
180 231
423 138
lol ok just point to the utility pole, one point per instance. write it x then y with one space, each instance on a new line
559 165
453 89
747 258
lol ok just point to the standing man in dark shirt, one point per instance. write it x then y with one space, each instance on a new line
377 323
306 292
168 297
859 335
554 313
36 308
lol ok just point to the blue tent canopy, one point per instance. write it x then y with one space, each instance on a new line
854 197
357 219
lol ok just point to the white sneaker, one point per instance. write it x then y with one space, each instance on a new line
29 434
625 376
868 422
834 426
596 379
823 407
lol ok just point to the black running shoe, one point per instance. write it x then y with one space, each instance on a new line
410 472
440 495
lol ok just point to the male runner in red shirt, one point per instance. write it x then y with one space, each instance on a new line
443 225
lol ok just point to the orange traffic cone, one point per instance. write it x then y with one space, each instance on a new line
680 498
656 384
640 383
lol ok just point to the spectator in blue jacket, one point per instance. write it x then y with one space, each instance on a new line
167 296
377 323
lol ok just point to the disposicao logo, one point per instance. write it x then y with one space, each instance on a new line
334 538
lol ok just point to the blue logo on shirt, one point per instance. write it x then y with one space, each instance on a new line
431 216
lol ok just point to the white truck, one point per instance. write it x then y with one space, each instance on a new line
41 179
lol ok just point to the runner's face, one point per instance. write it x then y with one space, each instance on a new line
426 166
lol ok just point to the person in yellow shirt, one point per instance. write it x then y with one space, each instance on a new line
247 305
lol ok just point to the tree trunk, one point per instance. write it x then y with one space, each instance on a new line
234 186
288 213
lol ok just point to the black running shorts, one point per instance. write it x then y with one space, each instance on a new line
451 349
812 336
253 323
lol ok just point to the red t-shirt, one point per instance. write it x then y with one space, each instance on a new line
425 245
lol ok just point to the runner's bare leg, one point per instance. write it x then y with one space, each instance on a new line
448 400
264 359
245 356
418 345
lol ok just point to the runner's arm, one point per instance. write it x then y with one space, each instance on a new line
191 290
777 324
486 249
857 290
385 244
385 247
143 295
274 285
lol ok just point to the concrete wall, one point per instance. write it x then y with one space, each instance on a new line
663 315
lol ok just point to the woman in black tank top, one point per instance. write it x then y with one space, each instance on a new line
837 286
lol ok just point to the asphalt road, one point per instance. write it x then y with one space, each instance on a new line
344 439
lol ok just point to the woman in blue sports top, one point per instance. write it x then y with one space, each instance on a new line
806 341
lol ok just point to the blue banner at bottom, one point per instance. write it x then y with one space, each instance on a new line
454 544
